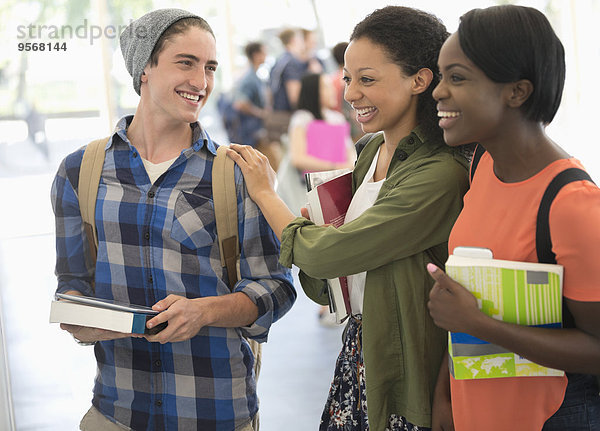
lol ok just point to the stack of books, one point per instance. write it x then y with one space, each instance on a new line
329 195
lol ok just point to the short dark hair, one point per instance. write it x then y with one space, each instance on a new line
176 28
252 48
412 39
338 52
309 98
509 43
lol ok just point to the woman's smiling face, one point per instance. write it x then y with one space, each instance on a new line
470 105
378 90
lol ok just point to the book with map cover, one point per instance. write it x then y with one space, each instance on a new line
523 293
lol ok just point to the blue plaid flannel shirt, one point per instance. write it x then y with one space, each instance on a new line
159 239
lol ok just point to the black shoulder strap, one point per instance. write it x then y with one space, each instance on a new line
479 150
543 242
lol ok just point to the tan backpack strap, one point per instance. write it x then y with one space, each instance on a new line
89 179
225 202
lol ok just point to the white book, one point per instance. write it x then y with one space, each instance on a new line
97 313
313 179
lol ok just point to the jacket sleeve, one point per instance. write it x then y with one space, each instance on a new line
412 213
314 288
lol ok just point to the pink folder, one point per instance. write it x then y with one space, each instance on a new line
327 141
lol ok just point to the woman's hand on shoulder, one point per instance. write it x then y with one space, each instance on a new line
258 174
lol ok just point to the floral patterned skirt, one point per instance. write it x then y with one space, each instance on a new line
346 406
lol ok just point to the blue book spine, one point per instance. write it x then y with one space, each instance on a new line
139 323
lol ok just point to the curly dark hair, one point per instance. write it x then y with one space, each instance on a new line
412 39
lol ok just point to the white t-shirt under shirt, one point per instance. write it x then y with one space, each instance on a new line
155 170
363 199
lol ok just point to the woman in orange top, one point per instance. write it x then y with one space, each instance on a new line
502 77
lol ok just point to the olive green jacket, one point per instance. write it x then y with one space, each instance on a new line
406 228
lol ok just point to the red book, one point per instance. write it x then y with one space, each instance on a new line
327 205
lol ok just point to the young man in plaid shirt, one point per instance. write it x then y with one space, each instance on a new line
157 247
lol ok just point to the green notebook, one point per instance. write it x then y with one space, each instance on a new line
517 292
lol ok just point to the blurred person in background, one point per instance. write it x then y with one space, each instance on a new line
319 135
337 77
251 103
284 85
319 140
312 62
250 99
285 75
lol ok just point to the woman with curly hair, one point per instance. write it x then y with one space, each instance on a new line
407 192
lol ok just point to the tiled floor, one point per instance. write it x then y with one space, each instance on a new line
51 377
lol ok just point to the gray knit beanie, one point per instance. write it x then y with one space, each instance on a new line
139 37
